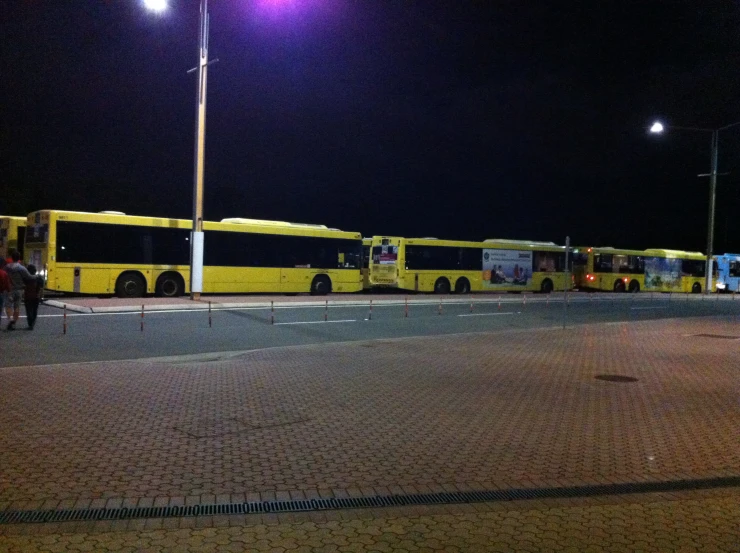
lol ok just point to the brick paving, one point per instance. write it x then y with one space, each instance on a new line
474 411
680 525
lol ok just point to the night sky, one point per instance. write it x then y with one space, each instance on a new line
457 119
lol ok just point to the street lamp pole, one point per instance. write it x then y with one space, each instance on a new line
658 128
197 241
712 202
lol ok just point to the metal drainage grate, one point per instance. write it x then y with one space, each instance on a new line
615 378
303 505
718 336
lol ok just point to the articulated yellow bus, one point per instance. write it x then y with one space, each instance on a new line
12 235
130 256
442 266
653 270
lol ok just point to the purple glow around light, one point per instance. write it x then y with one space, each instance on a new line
290 12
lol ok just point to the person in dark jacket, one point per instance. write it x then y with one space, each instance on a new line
18 275
5 286
33 295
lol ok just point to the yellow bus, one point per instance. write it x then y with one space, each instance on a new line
442 266
653 270
131 256
12 235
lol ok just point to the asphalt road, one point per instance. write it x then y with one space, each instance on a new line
111 336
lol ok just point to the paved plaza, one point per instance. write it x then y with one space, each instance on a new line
519 409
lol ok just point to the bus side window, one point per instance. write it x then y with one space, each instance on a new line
734 268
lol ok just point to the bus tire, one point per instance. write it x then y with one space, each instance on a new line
170 285
442 286
696 288
321 285
462 286
546 286
634 286
619 285
130 285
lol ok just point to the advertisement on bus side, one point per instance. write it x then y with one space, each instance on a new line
506 268
662 273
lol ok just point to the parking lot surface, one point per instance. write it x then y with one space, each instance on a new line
533 409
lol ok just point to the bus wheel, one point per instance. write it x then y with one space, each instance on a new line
634 286
619 286
546 286
462 286
320 286
442 286
170 285
130 285
696 288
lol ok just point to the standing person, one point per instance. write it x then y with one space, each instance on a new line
5 286
18 275
33 294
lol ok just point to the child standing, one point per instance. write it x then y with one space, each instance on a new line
33 294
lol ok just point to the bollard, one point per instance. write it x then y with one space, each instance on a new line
326 311
499 303
406 311
547 301
471 304
524 300
440 307
64 320
370 315
210 322
272 312
142 318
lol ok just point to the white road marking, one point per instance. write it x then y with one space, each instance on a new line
648 307
317 322
486 314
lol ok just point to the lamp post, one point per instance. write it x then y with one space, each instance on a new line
197 242
196 236
658 128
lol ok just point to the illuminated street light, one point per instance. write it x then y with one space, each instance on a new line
156 5
196 236
658 128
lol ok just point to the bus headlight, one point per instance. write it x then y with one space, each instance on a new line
721 286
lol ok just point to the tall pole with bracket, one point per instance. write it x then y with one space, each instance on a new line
196 240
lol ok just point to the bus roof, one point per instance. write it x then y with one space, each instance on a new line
505 244
522 242
609 249
243 221
674 253
233 223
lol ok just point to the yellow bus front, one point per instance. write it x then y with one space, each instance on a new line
385 261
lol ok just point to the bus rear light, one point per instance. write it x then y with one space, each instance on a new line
590 277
